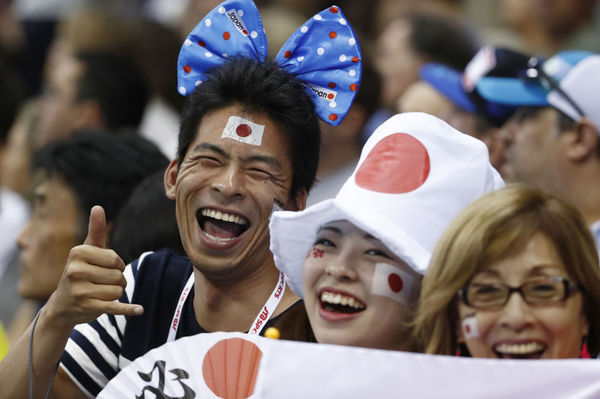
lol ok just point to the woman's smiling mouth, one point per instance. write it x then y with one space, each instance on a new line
523 350
340 303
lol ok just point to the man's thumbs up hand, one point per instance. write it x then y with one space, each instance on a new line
93 280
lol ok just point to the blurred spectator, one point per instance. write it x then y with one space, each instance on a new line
157 52
408 42
542 27
90 90
146 222
151 46
423 97
13 208
468 111
70 176
341 145
552 140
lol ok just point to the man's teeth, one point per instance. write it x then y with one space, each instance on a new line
519 349
339 299
218 239
226 217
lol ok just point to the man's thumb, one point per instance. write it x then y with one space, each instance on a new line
96 228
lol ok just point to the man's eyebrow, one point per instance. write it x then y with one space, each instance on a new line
210 147
271 161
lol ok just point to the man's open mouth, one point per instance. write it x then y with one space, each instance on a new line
339 303
527 350
221 226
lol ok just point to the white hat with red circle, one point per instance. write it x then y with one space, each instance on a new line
414 175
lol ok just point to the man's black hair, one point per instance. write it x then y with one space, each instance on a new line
442 40
102 168
116 84
259 87
146 222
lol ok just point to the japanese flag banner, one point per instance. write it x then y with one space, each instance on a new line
236 366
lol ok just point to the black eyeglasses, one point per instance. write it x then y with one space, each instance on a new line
535 72
542 290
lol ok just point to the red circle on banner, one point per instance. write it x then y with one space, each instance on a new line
398 164
467 329
243 130
226 35
395 282
245 32
230 368
330 96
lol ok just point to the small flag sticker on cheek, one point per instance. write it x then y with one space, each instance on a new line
392 282
469 327
240 129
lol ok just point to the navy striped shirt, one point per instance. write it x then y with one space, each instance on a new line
97 351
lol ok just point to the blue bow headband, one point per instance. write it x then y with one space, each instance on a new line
323 53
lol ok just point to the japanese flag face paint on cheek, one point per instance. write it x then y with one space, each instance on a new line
391 282
469 326
243 130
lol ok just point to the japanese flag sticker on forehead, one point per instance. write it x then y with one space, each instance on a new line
414 175
323 53
240 129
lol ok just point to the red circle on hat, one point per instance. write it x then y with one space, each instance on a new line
398 164
332 117
353 87
226 35
395 282
331 85
330 96
332 34
333 9
243 130
287 54
355 59
201 43
187 68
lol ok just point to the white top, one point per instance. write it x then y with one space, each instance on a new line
14 213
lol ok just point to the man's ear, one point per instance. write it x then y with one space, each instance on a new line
171 178
298 202
582 140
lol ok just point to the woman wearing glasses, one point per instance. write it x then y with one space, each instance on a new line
514 276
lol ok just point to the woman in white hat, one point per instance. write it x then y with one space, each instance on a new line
358 259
